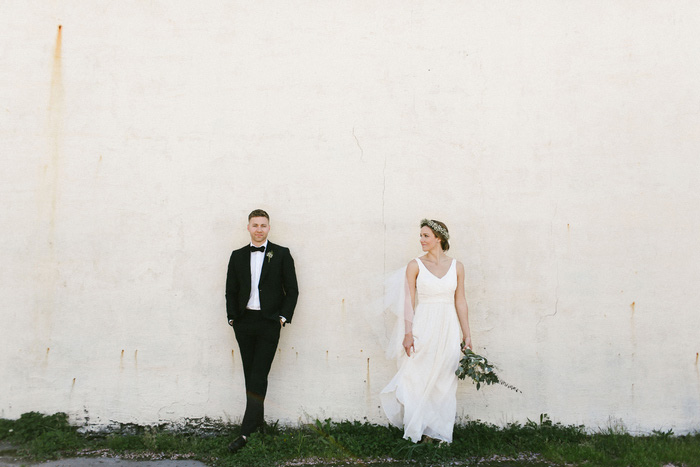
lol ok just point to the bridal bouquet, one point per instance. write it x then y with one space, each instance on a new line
479 370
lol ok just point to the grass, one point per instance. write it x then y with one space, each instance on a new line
38 437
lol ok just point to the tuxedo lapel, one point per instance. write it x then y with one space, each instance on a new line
269 252
245 268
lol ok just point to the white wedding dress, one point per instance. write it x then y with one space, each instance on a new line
421 398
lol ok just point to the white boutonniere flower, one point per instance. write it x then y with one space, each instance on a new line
269 256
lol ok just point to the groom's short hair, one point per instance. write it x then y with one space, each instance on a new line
258 213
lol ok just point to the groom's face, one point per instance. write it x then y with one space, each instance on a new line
258 227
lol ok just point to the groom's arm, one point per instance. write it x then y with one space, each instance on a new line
232 288
291 289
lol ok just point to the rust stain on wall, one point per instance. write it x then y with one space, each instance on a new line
368 388
55 118
56 75
368 383
48 275
45 361
58 42
697 370
633 329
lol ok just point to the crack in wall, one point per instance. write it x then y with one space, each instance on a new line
556 262
357 141
383 208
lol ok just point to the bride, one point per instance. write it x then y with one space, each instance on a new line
421 397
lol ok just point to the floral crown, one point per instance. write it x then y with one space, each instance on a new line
436 228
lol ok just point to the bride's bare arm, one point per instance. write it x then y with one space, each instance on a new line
462 308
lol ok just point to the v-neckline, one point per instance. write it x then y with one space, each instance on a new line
431 272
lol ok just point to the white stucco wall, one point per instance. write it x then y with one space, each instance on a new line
558 140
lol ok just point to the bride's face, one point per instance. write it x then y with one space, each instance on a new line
428 240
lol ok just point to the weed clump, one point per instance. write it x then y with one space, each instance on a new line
41 436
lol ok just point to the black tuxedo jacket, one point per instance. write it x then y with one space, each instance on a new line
278 283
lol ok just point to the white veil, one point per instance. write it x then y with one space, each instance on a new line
397 314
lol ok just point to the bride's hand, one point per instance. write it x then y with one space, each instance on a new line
467 343
408 343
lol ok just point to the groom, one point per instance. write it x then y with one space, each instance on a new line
261 293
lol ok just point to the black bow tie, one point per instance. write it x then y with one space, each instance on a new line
261 249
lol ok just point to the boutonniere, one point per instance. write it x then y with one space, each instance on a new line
269 256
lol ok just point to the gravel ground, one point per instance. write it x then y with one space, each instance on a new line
7 461
100 461
8 458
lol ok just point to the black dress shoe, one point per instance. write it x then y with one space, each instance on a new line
237 444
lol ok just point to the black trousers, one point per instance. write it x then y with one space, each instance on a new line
257 341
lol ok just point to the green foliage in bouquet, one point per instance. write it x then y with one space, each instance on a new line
479 370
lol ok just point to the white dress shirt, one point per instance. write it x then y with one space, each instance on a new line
256 263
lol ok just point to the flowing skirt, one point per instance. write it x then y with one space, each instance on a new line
422 396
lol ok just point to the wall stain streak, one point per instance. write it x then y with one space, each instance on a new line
47 276
633 330
46 358
697 371
368 381
55 123
368 390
